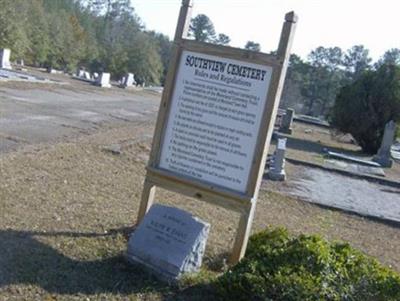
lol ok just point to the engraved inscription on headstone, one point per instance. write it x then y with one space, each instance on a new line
169 241
216 112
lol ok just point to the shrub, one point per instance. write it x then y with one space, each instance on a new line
279 267
365 106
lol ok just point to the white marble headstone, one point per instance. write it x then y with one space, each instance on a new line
104 80
5 59
129 81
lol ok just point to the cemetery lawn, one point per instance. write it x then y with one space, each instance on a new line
66 211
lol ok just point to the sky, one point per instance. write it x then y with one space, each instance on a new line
344 23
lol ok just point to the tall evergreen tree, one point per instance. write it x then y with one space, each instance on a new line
202 29
253 46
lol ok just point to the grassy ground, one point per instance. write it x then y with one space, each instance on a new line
66 211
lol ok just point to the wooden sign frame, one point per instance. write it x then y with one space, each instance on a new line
244 203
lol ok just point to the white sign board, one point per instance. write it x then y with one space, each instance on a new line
214 119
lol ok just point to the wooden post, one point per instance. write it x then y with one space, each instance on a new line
283 54
242 201
287 34
242 234
246 219
148 193
182 28
185 15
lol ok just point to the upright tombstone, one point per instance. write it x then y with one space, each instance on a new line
215 122
87 76
277 168
287 121
383 157
5 59
128 81
169 241
104 80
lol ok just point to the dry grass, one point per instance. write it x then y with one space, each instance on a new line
66 209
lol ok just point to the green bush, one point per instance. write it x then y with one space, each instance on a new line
280 267
365 106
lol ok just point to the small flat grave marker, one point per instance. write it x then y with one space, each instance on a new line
169 241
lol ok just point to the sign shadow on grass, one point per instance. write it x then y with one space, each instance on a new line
26 260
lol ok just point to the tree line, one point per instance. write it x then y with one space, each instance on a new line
344 86
101 35
313 84
107 35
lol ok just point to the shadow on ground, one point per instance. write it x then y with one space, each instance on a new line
26 260
317 147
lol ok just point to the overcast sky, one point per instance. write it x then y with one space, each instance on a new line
343 23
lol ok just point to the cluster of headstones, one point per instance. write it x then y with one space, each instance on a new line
103 79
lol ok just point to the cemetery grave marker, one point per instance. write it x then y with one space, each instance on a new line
128 81
169 241
103 80
277 168
5 59
287 121
215 122
383 157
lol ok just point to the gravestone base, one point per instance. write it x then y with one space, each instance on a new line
169 242
286 131
384 161
104 85
152 269
277 176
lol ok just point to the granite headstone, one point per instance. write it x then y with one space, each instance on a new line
277 169
169 241
287 121
383 157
